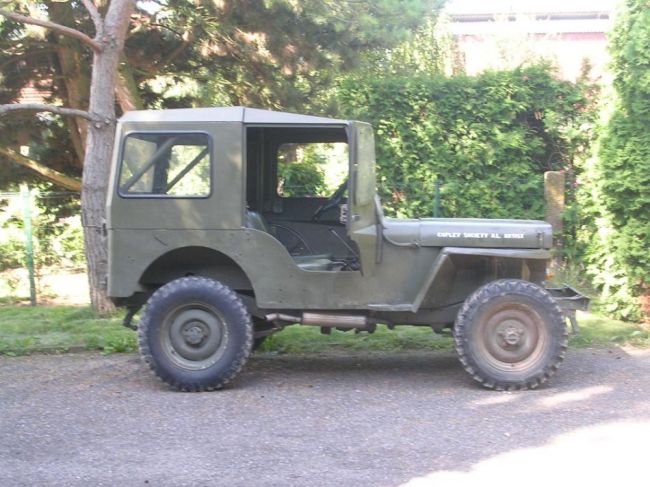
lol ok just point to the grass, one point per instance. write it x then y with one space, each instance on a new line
309 339
600 331
595 331
58 329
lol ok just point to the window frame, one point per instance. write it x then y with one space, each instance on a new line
277 168
170 133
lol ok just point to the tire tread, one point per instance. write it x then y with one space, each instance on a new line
504 287
164 293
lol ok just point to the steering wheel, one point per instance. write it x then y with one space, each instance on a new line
332 201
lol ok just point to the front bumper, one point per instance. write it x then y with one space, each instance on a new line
570 301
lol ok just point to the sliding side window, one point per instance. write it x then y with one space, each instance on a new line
173 165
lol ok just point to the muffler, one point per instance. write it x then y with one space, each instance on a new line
327 320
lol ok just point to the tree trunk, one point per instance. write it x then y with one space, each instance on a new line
99 147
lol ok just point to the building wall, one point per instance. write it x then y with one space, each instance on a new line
504 41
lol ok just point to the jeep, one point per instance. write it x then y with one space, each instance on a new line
217 226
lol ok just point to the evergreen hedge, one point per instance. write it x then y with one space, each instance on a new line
488 139
618 253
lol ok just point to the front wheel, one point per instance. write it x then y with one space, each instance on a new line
510 334
195 334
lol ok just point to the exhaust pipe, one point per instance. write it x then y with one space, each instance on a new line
327 320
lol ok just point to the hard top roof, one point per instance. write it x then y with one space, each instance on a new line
227 114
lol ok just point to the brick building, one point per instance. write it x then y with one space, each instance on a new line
499 34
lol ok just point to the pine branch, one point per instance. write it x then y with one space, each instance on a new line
56 177
38 107
62 29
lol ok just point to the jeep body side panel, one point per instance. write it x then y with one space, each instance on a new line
277 281
280 284
151 214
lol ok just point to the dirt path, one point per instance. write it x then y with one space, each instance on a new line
363 420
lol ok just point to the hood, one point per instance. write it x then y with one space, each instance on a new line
469 232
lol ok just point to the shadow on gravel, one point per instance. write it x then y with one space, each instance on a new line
591 423
427 367
337 419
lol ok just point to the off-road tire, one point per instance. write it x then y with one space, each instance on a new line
195 334
510 334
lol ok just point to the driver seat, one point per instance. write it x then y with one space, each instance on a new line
321 262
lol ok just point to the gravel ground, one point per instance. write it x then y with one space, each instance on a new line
389 419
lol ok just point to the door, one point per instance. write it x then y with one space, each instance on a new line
362 216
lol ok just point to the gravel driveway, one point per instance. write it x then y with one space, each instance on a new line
386 419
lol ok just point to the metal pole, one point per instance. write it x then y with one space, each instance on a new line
436 204
29 244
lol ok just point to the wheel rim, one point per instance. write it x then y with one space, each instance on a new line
512 338
194 336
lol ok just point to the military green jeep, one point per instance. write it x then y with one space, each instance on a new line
218 225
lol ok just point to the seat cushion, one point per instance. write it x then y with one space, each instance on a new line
308 258
255 221
314 262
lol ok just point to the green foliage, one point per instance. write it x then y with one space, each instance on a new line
12 252
488 138
274 54
594 331
305 339
618 253
430 51
25 329
280 54
301 179
57 237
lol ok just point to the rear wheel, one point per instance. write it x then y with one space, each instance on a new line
195 334
510 334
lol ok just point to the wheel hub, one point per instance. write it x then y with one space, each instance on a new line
194 336
194 333
511 336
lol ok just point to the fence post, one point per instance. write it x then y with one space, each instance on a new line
554 208
29 243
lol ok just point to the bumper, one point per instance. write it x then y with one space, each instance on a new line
570 301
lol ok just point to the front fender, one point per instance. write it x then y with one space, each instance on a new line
443 268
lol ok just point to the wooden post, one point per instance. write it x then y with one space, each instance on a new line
554 209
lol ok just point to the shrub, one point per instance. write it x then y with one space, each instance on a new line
618 255
488 138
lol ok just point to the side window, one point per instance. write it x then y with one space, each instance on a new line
311 169
174 165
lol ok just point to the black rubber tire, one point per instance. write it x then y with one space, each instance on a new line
510 334
202 362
